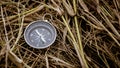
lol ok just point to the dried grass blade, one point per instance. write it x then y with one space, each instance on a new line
99 28
20 31
29 12
76 46
117 4
83 5
110 34
60 60
117 15
57 9
68 7
93 19
109 23
17 61
84 65
7 47
47 63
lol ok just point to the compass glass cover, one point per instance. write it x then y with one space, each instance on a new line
40 34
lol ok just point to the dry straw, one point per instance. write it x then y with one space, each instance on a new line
88 33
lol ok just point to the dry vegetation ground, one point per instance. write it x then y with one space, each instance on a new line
88 33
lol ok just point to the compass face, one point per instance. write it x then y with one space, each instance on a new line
40 34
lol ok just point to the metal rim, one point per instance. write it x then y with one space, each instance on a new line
35 22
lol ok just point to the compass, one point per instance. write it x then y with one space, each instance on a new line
40 34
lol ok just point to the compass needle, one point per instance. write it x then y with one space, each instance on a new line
43 39
38 32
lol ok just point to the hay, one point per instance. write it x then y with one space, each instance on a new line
88 33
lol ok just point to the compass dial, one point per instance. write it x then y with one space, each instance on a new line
40 34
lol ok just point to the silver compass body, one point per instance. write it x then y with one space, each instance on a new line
40 34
